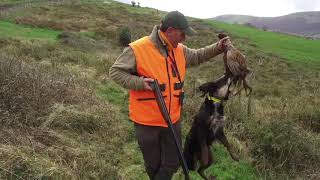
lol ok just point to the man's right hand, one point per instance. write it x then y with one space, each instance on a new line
146 83
224 43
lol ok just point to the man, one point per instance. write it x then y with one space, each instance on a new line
159 56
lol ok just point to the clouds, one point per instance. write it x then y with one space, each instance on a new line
212 8
306 5
266 8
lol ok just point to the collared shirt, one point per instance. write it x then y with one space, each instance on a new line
165 41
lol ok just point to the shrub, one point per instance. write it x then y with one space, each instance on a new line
124 36
283 146
80 41
28 90
75 118
307 113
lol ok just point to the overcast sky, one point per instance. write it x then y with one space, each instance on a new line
212 8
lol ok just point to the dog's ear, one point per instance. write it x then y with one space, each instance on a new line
207 87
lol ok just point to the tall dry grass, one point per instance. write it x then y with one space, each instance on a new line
27 91
53 125
280 134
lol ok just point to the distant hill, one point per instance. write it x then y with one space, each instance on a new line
303 23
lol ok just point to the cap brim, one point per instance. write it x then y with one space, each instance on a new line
189 31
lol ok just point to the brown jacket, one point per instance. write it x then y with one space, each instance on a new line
124 70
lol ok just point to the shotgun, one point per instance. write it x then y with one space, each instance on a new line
164 111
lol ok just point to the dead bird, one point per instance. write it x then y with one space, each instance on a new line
236 67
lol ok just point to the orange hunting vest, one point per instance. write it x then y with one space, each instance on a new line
143 108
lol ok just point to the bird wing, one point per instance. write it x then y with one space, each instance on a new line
235 62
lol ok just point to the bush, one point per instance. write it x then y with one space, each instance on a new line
80 41
124 36
76 118
27 91
307 113
284 147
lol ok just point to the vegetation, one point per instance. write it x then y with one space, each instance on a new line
13 30
125 36
62 117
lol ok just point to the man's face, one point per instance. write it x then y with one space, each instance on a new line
175 36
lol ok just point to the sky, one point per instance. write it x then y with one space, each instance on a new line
213 8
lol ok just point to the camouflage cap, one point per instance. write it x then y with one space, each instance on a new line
177 20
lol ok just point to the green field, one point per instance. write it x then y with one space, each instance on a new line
288 47
8 29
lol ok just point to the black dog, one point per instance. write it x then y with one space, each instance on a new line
208 126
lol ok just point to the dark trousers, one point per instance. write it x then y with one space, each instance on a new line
159 150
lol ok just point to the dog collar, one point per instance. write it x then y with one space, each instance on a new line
215 100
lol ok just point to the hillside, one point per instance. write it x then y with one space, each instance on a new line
303 23
63 118
234 19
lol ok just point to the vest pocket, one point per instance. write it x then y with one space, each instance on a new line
148 99
178 85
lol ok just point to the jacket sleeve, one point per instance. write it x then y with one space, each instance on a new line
124 71
198 56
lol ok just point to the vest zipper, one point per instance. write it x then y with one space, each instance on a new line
169 84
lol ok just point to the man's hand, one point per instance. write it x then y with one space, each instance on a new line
224 43
146 83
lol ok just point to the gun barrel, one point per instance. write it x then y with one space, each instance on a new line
164 111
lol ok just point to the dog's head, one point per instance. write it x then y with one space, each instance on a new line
218 88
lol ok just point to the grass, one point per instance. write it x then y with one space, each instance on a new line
112 93
226 168
289 47
9 29
92 138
